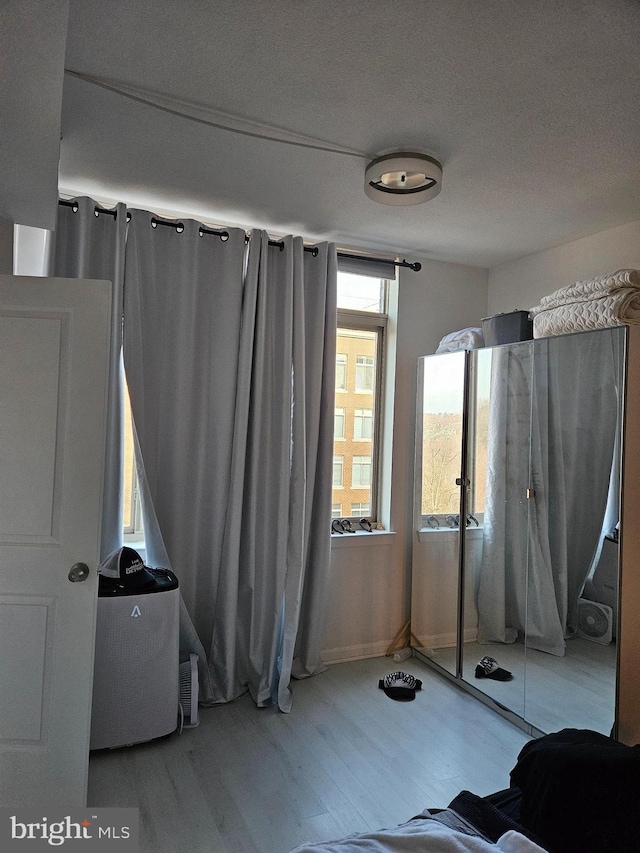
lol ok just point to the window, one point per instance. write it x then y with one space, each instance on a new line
357 292
363 424
338 466
361 326
341 372
361 471
365 373
359 361
132 514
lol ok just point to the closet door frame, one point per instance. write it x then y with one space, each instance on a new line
627 727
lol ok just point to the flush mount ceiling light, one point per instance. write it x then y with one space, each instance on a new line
403 178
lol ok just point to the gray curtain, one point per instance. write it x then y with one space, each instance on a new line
230 373
183 308
90 244
552 428
272 595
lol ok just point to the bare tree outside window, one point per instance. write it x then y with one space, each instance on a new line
441 459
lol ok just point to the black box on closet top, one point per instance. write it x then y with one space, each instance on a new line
507 328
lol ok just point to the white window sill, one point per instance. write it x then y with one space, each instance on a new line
360 537
131 540
427 534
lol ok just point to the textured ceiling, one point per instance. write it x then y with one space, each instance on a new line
532 107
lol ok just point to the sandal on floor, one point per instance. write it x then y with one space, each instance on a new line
400 686
488 668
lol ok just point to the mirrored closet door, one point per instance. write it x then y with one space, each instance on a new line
436 575
517 509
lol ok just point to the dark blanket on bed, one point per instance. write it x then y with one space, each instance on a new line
490 815
580 792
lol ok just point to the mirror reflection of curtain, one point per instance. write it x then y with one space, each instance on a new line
502 586
554 413
612 511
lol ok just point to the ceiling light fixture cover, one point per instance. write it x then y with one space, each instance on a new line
403 178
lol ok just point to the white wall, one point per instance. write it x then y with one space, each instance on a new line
33 36
522 283
434 594
371 578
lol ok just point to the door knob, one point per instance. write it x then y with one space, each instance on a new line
78 572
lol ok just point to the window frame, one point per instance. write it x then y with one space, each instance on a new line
363 462
363 419
372 321
345 365
338 459
362 361
134 531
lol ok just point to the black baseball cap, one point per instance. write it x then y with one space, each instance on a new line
126 567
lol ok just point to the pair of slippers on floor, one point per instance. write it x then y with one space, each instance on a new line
402 687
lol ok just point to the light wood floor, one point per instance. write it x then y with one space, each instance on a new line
346 759
550 692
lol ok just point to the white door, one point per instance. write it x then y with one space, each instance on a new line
54 346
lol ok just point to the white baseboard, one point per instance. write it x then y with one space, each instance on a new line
344 654
447 641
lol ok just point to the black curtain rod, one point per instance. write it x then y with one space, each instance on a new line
97 210
224 235
416 266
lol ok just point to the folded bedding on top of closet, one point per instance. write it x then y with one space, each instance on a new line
590 289
617 309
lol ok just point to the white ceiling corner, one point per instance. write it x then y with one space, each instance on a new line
530 107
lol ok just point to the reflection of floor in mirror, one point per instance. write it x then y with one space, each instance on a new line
576 691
